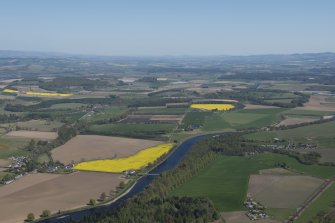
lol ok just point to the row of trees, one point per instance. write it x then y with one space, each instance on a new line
62 84
258 96
157 101
5 118
233 144
46 104
155 204
31 216
37 148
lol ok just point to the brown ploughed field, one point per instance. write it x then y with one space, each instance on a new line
275 191
93 147
37 192
153 119
251 106
318 103
294 121
33 134
240 217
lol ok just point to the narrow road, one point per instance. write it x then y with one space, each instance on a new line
311 199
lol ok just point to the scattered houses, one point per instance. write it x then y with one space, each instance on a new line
255 210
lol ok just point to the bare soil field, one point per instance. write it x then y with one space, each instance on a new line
240 217
151 107
39 125
176 118
215 100
93 147
153 119
327 155
274 191
201 90
37 192
33 134
276 171
294 121
251 106
319 103
4 162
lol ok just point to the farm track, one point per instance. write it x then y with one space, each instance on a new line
311 199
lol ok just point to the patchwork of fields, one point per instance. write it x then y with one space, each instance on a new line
225 181
113 126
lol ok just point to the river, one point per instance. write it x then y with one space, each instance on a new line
171 162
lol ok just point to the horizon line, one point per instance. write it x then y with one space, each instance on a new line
60 53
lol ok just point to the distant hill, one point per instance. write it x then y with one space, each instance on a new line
29 54
302 67
266 57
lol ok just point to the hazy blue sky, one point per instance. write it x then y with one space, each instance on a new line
169 27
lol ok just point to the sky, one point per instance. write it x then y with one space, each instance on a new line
168 27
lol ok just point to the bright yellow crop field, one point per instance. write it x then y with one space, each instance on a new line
135 162
47 94
10 91
220 107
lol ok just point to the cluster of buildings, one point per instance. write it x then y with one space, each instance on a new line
255 210
289 146
295 146
129 173
17 162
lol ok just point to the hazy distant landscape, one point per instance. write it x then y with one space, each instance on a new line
167 111
60 112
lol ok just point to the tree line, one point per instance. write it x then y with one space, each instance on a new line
155 204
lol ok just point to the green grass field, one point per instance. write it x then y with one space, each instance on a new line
225 181
107 113
280 214
242 119
43 158
246 118
196 118
37 125
302 113
323 134
12 147
322 203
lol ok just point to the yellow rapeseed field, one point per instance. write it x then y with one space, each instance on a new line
135 162
10 91
220 107
47 94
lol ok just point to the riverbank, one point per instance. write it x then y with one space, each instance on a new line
169 163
